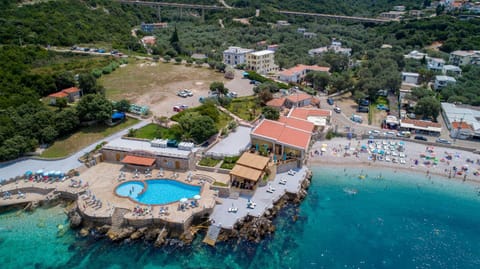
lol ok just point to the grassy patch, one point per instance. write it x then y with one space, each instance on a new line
77 63
152 131
229 162
245 107
207 161
82 138
220 184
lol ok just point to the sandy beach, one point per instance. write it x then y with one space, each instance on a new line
440 161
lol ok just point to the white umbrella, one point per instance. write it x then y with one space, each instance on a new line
39 172
197 197
183 200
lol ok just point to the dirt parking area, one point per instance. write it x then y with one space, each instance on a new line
156 85
349 107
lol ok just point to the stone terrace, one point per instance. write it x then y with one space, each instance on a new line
261 197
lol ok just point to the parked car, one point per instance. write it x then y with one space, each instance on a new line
364 102
383 107
330 101
232 94
389 133
357 118
363 109
177 109
443 141
182 94
187 92
419 137
337 109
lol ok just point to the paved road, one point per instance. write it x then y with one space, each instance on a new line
20 167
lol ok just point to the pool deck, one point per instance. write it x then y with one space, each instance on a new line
261 197
101 181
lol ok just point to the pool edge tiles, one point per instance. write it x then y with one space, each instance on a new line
160 191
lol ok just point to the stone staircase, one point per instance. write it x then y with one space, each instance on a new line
117 218
212 235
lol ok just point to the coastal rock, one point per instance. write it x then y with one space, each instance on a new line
256 229
84 232
138 234
116 235
161 238
103 229
187 237
75 219
151 234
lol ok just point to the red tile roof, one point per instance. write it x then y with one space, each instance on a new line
138 160
283 134
297 123
304 113
298 97
276 102
71 90
461 125
301 67
58 95
295 137
422 123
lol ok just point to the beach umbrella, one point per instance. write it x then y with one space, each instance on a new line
28 173
284 156
197 197
58 173
183 200
39 172
275 158
256 147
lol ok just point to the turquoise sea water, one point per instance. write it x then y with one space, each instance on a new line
402 221
162 191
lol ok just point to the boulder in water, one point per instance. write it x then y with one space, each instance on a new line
75 219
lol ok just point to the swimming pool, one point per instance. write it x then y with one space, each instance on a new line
158 191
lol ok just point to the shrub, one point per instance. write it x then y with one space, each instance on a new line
207 161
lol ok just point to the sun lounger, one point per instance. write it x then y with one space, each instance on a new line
283 181
291 172
232 210
270 189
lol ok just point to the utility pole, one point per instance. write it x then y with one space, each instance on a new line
158 14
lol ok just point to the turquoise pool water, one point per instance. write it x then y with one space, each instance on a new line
159 191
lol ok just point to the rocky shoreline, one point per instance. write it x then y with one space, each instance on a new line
251 228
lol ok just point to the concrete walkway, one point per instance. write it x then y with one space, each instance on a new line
20 167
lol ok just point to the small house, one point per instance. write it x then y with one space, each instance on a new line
410 78
443 81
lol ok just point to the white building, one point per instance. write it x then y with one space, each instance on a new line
298 73
235 55
435 64
462 121
451 70
410 78
262 62
463 57
442 81
335 47
416 55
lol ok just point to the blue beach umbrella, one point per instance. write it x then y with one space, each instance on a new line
275 157
28 173
256 147
284 156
